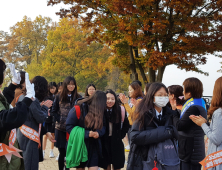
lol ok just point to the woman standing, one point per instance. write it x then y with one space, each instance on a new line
90 89
49 123
37 115
191 137
136 95
215 112
63 103
15 117
112 145
92 120
153 125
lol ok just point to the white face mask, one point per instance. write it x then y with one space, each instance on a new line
161 101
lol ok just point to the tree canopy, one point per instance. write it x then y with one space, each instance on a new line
158 32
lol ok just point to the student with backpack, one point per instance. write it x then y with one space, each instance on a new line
88 114
153 134
63 103
117 125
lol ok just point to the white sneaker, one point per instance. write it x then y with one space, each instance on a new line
57 158
51 154
43 153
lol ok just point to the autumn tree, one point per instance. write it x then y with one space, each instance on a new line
167 31
27 39
68 54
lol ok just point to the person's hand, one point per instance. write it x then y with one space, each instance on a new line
173 104
48 103
123 98
29 87
50 137
91 133
133 101
199 120
16 78
95 135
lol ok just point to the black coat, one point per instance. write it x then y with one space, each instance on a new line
191 136
114 149
92 145
148 135
13 118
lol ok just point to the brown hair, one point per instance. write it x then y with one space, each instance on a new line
216 101
97 106
177 91
193 86
137 90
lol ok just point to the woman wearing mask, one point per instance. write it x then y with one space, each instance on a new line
63 103
191 137
112 145
92 120
49 123
37 115
213 132
176 95
12 118
153 125
90 89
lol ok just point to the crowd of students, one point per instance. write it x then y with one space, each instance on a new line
162 127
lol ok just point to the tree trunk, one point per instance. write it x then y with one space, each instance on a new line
152 75
132 65
140 67
160 73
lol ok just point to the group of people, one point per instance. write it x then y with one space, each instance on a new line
162 127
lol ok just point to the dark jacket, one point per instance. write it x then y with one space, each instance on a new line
60 112
37 115
115 146
15 117
148 135
50 119
10 119
93 145
191 136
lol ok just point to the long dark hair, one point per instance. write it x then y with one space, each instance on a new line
41 87
2 69
64 94
89 85
97 106
116 110
177 91
146 104
50 86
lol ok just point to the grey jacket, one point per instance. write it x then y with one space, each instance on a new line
214 134
37 114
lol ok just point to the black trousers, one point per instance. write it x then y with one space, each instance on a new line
62 155
189 166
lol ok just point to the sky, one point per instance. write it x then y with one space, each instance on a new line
13 11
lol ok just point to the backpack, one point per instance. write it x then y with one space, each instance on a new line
163 156
78 113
